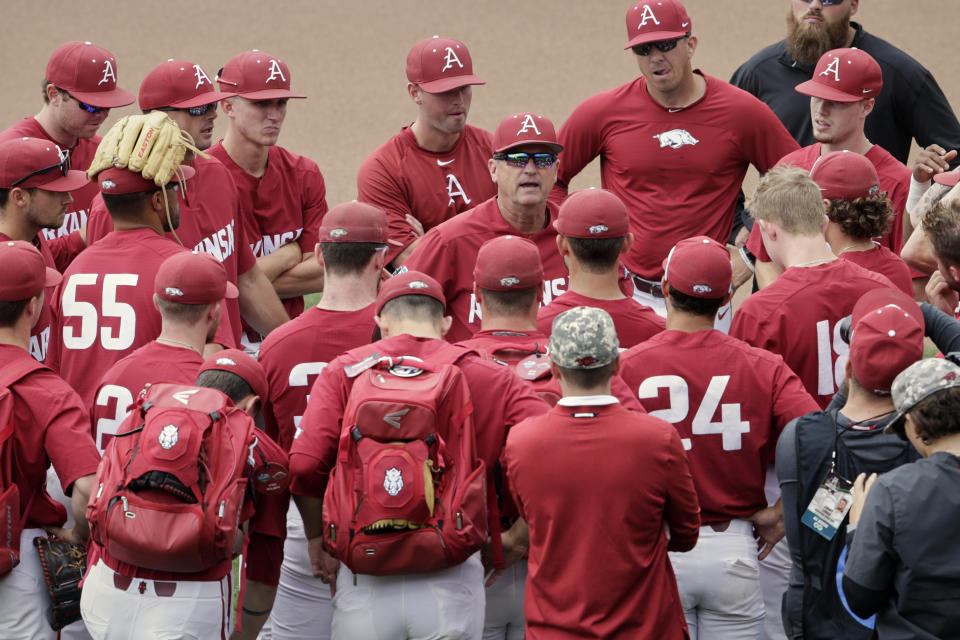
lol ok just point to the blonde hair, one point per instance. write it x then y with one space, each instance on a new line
789 198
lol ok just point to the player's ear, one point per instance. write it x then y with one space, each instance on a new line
691 45
854 5
492 165
477 294
867 106
383 324
825 224
414 92
250 405
155 305
616 365
849 369
954 271
445 324
627 243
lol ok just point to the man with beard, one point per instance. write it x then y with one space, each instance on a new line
912 105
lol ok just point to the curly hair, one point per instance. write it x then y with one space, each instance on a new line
942 225
865 218
937 415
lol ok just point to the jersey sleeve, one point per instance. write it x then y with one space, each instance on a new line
431 256
377 186
582 141
65 248
768 140
67 438
224 335
790 398
681 508
747 326
314 202
99 222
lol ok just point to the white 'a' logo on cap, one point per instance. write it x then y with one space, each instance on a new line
201 76
647 15
108 73
528 124
834 69
450 59
275 72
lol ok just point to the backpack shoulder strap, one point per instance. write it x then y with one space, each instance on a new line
10 374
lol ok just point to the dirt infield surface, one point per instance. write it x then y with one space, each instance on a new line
348 57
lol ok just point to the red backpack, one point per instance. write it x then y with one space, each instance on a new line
11 518
172 482
408 493
530 361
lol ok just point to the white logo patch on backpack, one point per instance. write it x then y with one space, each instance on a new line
393 481
169 436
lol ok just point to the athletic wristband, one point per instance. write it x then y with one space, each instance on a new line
748 259
917 189
256 613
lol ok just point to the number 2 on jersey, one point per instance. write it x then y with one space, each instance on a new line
730 426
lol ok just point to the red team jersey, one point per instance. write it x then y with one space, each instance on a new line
56 429
729 402
120 386
894 179
885 262
798 317
402 177
285 205
598 565
40 333
104 307
448 252
295 353
211 223
64 249
633 321
679 171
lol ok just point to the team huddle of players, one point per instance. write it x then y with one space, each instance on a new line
460 236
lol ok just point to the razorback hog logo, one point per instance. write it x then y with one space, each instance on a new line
418 284
393 481
509 281
675 138
702 288
339 232
598 228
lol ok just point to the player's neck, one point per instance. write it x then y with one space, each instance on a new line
600 286
841 242
569 390
16 336
689 91
525 219
526 323
247 155
178 337
855 143
146 220
432 139
687 322
348 293
411 327
49 124
863 405
15 226
806 251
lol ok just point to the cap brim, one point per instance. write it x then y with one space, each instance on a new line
232 292
202 99
817 90
52 277
554 146
898 419
71 182
269 94
948 179
654 36
448 84
106 99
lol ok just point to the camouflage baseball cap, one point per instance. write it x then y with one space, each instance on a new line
917 382
584 338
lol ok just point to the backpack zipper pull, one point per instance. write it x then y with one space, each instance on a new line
126 507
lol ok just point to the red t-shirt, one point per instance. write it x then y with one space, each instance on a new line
894 179
285 205
596 485
402 177
679 171
81 155
209 223
40 333
295 353
314 449
448 252
885 262
633 321
104 307
51 425
798 317
708 385
121 385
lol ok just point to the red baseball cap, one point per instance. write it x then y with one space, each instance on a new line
410 283
650 21
356 222
886 337
947 178
508 263
193 277
699 267
525 128
49 163
241 364
255 75
89 73
440 64
180 84
592 213
844 75
845 175
114 181
23 273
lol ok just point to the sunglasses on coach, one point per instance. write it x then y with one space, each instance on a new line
661 45
826 3
540 160
89 108
63 165
194 111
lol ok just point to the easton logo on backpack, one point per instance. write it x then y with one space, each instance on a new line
171 485
408 493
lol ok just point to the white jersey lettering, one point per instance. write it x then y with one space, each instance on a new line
72 221
39 344
455 189
268 244
219 245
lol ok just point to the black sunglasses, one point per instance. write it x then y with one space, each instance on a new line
89 108
194 111
661 45
520 159
63 165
